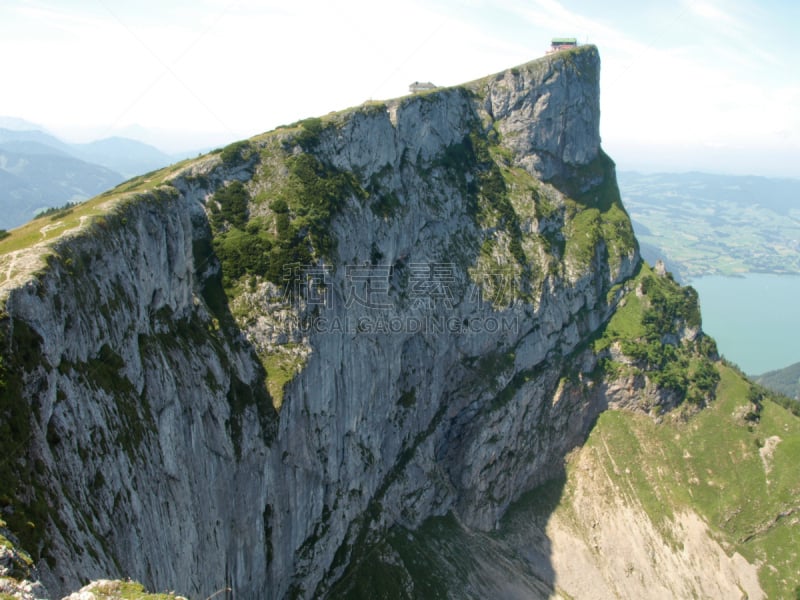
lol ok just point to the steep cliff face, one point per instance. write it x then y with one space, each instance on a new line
241 376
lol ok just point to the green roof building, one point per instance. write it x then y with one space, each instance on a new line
562 43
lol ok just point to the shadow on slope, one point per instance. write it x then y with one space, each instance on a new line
444 559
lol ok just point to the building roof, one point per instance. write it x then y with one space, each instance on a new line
419 86
557 41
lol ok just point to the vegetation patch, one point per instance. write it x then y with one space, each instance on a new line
298 231
236 154
281 365
310 130
596 214
488 198
385 205
648 327
56 212
124 590
408 398
712 463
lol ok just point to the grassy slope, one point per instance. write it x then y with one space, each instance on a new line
48 228
711 463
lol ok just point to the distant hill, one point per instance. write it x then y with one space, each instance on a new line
785 381
16 136
17 124
123 155
30 182
38 170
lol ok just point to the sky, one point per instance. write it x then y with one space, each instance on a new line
709 85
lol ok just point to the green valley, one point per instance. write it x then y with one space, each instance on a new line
704 224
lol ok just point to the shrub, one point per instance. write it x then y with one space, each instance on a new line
669 305
308 137
279 206
232 204
242 253
235 154
302 213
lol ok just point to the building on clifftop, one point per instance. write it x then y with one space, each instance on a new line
562 44
421 86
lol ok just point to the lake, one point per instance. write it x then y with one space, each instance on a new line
755 318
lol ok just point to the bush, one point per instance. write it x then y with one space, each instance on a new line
302 214
308 138
235 154
242 253
279 206
230 205
669 305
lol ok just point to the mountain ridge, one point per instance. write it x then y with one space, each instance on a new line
256 363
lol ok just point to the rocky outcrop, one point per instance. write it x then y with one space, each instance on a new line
551 124
477 241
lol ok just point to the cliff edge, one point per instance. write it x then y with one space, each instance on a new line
242 370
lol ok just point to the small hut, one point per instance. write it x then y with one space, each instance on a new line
562 44
421 86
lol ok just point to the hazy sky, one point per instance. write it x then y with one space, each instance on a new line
697 83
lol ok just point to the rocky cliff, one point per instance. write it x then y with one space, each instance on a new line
242 370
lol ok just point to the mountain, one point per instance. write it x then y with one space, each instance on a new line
785 381
39 171
123 155
706 224
17 124
34 177
373 355
39 138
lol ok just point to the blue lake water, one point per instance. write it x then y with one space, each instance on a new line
755 318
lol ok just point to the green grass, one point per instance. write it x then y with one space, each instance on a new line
38 230
583 234
47 230
597 214
648 327
125 590
625 324
710 463
281 367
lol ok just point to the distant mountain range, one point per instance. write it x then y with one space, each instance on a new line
39 171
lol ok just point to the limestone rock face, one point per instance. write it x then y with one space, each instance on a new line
427 346
550 123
